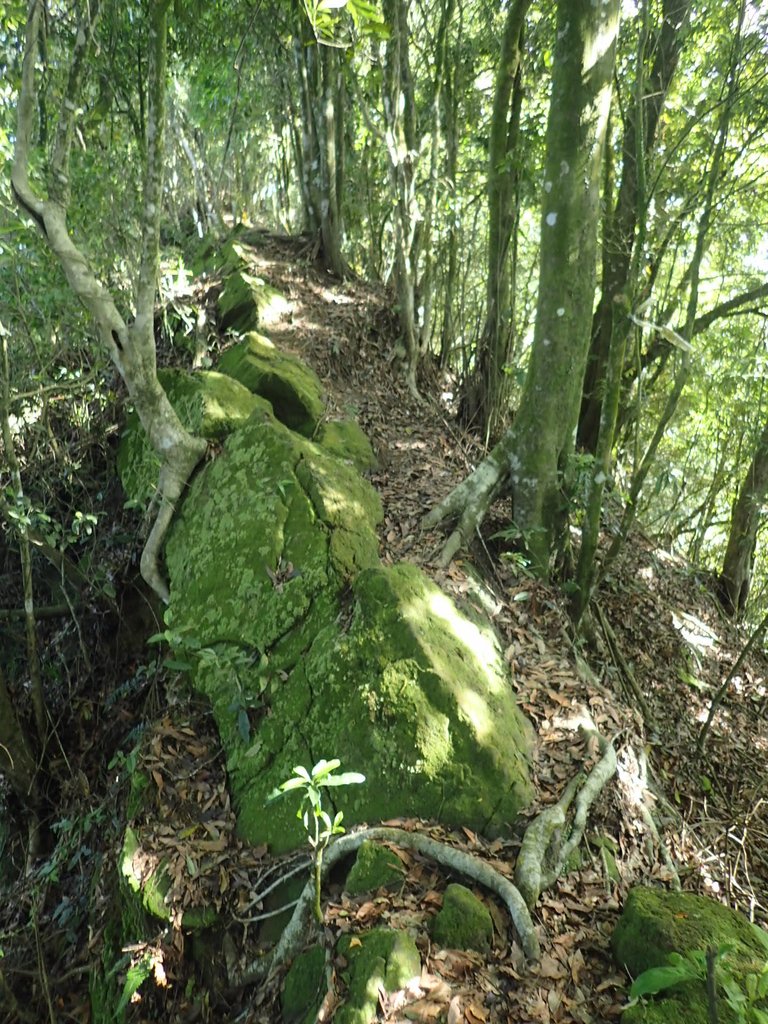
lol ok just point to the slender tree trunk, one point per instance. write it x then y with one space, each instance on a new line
619 243
746 519
486 391
531 457
693 275
401 139
130 346
451 261
321 88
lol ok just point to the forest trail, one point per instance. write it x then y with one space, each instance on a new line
659 632
662 634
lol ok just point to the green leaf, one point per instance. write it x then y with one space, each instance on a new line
302 772
345 779
761 936
134 979
286 787
324 767
176 665
656 979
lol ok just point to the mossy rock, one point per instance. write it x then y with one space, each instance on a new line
375 866
270 533
209 404
656 923
292 388
214 256
304 987
463 922
381 958
247 303
250 554
413 694
346 440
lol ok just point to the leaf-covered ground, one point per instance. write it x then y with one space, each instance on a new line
657 640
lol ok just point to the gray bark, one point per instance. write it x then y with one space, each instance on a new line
529 459
131 346
486 390
619 246
746 519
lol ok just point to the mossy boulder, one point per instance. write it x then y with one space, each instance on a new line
655 924
292 388
304 987
375 866
391 678
209 404
212 255
250 556
347 441
381 958
463 922
247 302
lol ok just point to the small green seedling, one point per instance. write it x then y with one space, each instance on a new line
317 822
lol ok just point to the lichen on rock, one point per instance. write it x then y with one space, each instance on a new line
248 302
209 404
348 441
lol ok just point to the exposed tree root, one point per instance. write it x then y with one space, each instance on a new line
549 840
300 925
548 843
468 503
174 475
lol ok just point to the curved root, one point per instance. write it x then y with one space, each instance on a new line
295 934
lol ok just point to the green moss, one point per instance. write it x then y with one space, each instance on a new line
656 923
393 680
209 404
410 696
304 987
347 441
690 1006
247 302
381 958
463 922
135 801
375 866
294 390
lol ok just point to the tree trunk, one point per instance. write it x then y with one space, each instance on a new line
400 129
746 518
130 346
321 81
619 242
531 456
486 391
